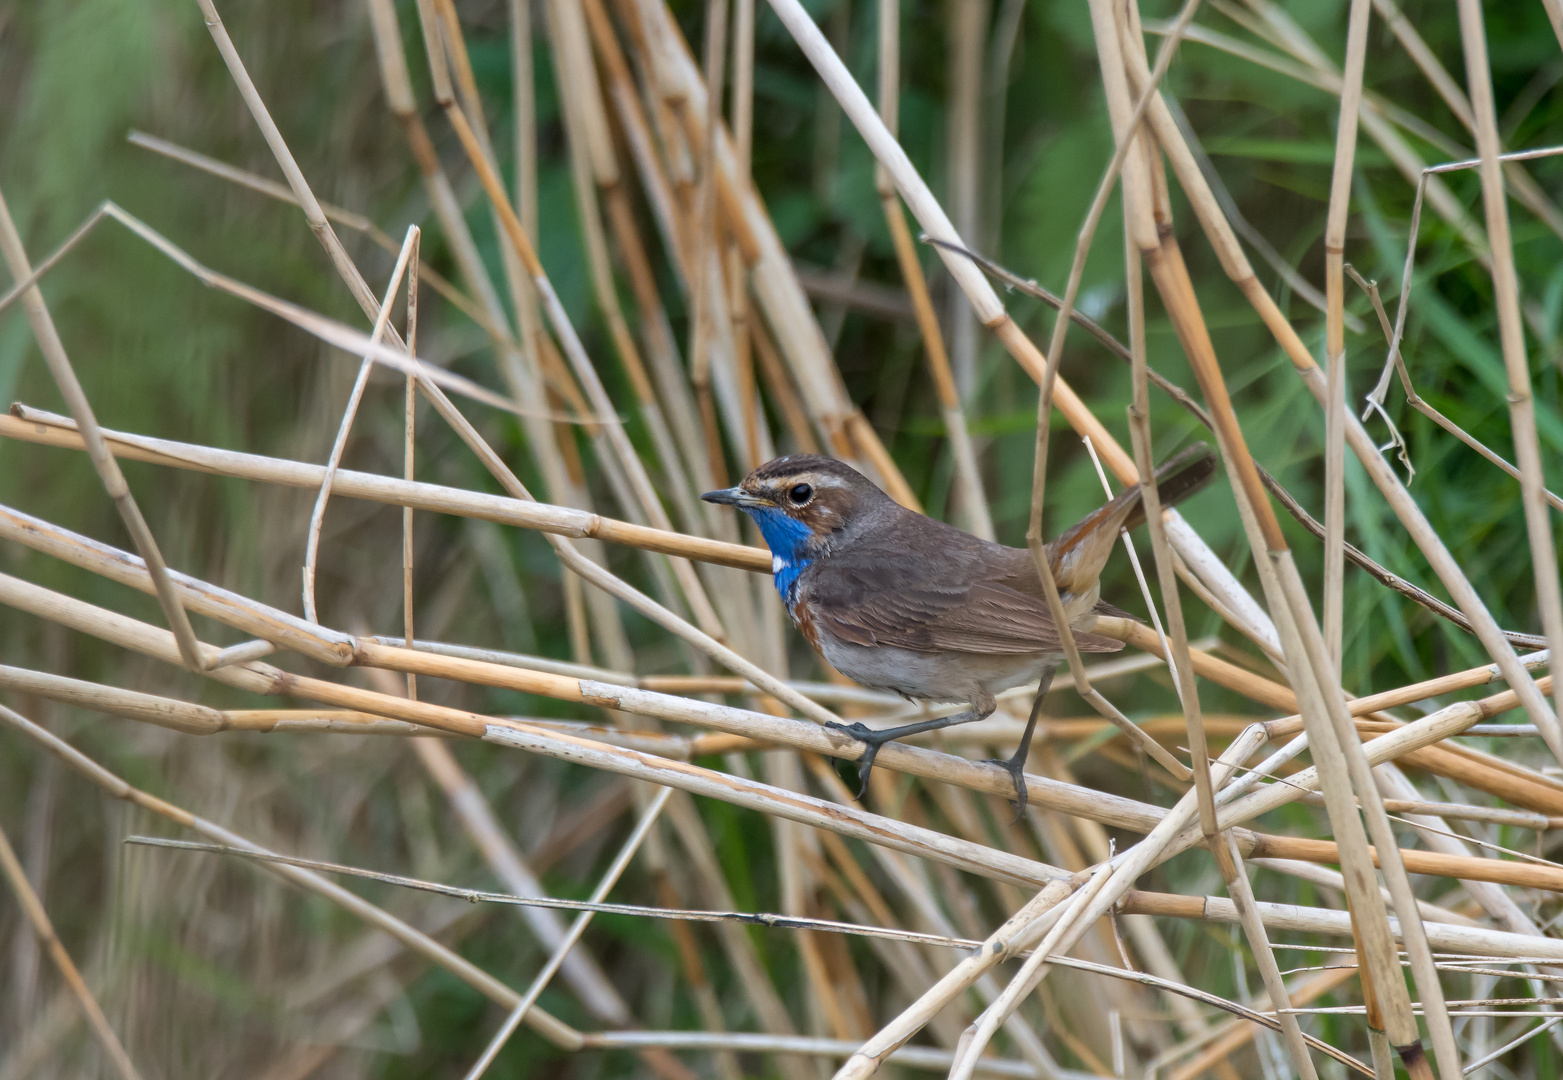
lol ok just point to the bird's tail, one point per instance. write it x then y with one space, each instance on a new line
1077 557
1180 476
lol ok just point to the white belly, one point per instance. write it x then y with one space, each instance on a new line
955 677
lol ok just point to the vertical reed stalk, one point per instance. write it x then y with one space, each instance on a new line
1335 329
1511 334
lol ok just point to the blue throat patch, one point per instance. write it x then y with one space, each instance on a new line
788 539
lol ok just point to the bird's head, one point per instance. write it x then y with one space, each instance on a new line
801 502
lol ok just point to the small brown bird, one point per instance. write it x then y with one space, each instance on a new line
898 601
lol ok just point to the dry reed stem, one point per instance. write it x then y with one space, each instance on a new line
37 425
1138 223
1218 230
1335 329
567 337
409 465
971 498
1306 655
317 517
1239 1035
798 734
977 1037
874 828
1240 889
33 909
482 826
545 1024
1511 333
561 951
1555 16
103 462
554 520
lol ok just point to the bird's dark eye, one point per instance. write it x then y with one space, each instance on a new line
800 494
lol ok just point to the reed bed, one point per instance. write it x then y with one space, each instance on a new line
464 639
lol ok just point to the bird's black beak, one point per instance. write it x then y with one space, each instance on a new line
733 496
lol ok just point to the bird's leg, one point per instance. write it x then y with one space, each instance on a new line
873 738
1016 765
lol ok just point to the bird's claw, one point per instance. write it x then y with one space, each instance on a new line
1017 774
872 740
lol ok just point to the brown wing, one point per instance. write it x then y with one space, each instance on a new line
872 606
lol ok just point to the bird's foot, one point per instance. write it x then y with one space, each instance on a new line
872 739
1015 766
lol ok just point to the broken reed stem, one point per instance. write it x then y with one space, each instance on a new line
317 516
33 909
1335 329
1511 334
1396 363
103 462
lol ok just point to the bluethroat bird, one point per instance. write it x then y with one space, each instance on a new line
900 602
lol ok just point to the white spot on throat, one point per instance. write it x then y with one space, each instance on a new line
778 564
